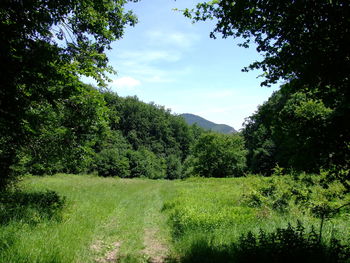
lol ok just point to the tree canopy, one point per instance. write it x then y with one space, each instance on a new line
46 46
306 44
306 40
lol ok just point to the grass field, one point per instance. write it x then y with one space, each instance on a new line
82 218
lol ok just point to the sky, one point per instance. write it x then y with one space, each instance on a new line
168 60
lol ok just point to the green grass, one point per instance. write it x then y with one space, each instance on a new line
140 220
99 212
213 213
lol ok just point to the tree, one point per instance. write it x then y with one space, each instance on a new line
144 163
291 129
45 46
307 40
218 155
149 125
66 134
305 43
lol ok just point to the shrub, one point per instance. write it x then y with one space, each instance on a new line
173 167
31 208
219 155
144 163
110 162
291 244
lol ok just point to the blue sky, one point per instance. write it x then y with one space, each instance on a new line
170 61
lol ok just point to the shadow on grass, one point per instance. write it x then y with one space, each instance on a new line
291 244
30 208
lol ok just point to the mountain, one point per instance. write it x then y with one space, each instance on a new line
207 125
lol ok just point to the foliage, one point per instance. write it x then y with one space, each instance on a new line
218 155
149 125
299 40
294 129
144 163
173 167
290 244
31 208
65 135
305 44
45 46
110 162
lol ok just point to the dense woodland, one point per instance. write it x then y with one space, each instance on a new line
52 122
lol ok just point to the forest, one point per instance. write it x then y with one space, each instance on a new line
87 175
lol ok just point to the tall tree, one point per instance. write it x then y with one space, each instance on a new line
304 42
218 155
308 40
46 46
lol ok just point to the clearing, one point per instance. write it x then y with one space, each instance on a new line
141 220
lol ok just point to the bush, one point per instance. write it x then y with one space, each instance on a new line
144 163
173 167
110 162
290 244
219 155
31 208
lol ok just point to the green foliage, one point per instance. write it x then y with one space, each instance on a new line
305 43
110 162
150 126
294 129
46 46
290 244
65 134
219 155
287 244
173 167
31 208
144 163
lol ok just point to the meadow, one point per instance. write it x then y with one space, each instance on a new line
85 218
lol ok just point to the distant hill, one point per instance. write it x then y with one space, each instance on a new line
207 125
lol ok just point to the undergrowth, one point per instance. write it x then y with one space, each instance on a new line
215 215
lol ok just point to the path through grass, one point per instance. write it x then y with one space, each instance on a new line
140 220
104 220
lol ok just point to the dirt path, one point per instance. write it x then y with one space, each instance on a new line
155 249
137 231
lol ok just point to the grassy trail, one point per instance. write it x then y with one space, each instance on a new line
105 220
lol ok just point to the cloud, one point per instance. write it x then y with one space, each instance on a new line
149 56
171 39
219 94
125 83
159 58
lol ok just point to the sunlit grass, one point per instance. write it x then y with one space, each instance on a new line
97 209
102 216
219 211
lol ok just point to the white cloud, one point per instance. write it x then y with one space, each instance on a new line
158 60
125 83
172 39
149 56
219 94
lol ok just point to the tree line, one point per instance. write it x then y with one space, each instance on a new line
52 122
